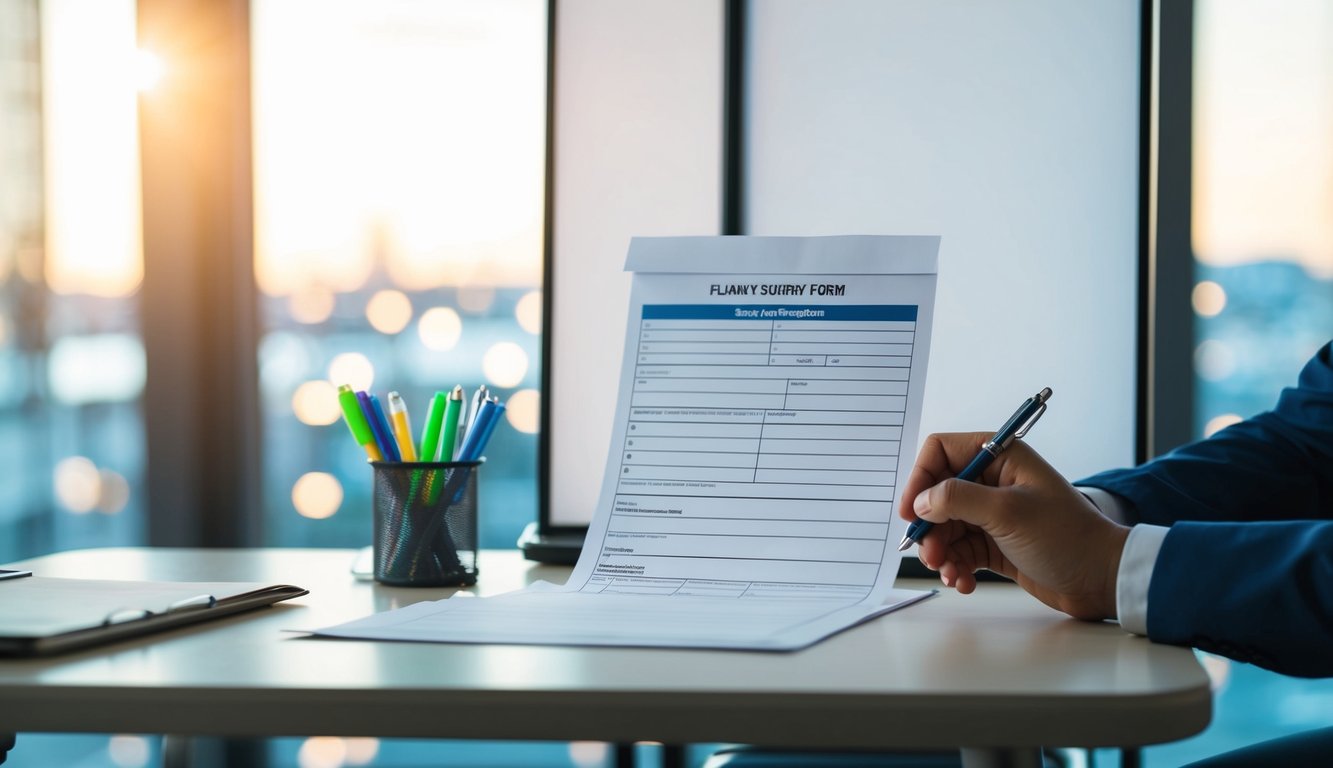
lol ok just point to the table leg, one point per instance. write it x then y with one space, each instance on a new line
1001 757
206 752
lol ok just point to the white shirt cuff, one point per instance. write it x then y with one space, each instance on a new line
1109 504
1136 566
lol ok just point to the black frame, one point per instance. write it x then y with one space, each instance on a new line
1159 301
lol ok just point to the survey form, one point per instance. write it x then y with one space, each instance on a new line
769 404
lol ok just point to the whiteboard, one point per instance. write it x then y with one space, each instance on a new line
1010 129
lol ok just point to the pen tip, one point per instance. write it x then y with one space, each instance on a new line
905 543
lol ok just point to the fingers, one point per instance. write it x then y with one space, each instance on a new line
972 503
942 456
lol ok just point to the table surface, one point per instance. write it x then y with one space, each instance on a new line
995 668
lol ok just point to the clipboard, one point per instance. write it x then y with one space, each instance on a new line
42 616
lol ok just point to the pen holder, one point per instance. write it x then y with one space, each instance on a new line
426 523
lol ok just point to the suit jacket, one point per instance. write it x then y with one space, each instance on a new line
1246 570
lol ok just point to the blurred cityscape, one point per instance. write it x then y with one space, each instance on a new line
1257 325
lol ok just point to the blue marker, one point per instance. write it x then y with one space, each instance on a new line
383 434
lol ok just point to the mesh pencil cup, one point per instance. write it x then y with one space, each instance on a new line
426 523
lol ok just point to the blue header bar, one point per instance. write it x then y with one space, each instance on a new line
846 312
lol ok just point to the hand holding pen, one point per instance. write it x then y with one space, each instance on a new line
1016 427
1031 526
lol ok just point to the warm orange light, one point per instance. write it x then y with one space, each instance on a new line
94 243
523 410
148 70
1208 299
408 139
440 328
389 312
505 364
528 312
317 495
352 368
316 403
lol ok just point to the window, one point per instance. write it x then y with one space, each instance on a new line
71 355
1263 233
399 154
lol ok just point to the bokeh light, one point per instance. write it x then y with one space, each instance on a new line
440 328
1214 360
352 368
113 492
588 754
1218 423
317 495
78 484
316 403
128 751
505 364
1208 299
528 312
523 410
389 311
361 750
322 752
311 305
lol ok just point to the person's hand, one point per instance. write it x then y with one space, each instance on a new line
1020 519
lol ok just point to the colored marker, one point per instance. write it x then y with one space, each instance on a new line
374 415
430 434
385 431
402 430
356 422
449 439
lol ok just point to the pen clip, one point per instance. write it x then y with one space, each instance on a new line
122 615
1023 430
192 603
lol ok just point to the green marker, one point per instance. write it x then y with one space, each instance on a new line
451 414
430 435
356 421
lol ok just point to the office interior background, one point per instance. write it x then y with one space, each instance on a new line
365 205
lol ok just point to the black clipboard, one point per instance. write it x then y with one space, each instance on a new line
41 616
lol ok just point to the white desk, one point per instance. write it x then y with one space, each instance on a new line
995 671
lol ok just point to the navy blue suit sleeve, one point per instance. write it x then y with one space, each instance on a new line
1247 568
1275 466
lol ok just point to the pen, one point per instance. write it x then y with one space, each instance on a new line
375 416
356 421
478 398
1016 427
430 434
449 440
488 414
402 430
384 431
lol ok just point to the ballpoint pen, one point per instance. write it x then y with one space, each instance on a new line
478 398
488 414
402 430
356 422
1016 427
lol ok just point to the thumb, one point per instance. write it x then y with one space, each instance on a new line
954 499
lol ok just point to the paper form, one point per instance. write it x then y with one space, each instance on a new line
768 406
